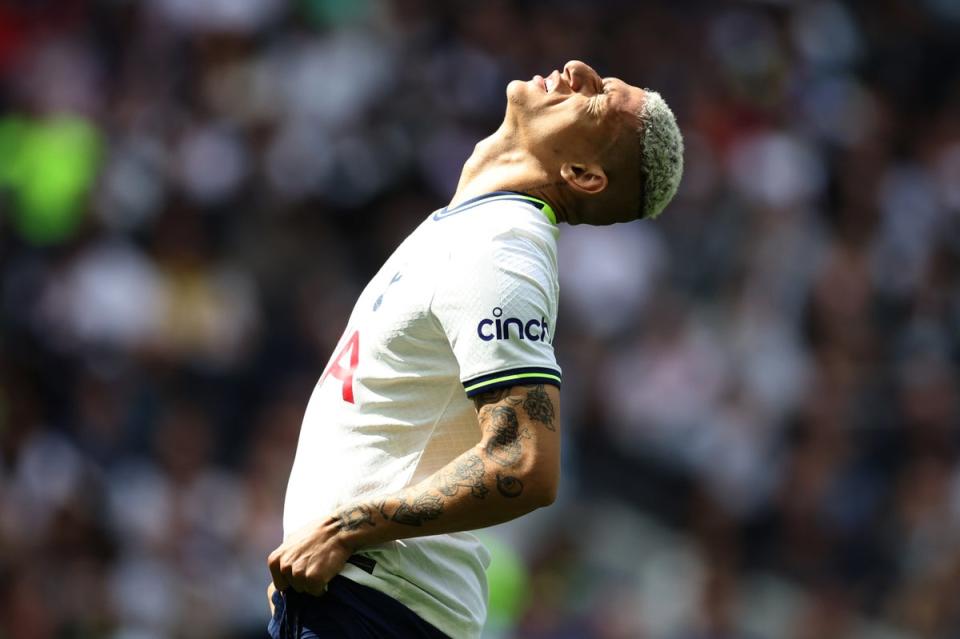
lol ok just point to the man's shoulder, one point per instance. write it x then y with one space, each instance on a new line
502 226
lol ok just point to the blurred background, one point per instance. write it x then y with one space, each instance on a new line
762 388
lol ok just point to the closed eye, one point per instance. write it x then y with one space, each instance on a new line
596 105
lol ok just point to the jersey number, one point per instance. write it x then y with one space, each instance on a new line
344 364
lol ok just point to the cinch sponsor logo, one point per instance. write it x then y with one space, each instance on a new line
499 327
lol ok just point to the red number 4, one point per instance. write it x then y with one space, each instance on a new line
344 371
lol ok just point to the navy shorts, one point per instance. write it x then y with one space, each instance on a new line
347 611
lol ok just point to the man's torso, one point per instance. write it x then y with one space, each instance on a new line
468 299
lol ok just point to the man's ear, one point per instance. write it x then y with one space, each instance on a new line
588 179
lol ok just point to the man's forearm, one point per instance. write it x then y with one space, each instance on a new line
470 492
499 479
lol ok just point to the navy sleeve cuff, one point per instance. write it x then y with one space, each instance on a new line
511 377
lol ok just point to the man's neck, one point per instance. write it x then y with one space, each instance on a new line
502 162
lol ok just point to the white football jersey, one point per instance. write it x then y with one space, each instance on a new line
467 303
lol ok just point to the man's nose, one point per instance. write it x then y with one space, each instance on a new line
581 76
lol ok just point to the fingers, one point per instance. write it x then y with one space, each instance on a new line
276 571
297 575
306 579
270 590
314 586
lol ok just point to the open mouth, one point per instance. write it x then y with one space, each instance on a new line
549 83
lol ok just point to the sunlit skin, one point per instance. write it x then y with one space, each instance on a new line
557 140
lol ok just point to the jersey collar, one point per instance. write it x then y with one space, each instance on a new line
499 196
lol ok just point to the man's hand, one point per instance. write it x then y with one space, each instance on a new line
310 558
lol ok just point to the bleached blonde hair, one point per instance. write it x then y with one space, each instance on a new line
661 154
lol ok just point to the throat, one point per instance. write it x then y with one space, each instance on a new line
498 165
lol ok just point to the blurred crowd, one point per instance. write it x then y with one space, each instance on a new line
193 192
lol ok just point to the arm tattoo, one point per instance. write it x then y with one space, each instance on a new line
468 473
425 507
504 446
493 396
355 516
509 486
536 404
539 408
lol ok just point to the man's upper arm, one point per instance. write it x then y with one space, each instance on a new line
497 305
520 434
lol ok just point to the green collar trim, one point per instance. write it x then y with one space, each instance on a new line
545 208
498 196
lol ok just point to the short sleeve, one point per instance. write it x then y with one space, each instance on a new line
497 305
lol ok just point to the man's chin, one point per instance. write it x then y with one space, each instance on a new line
516 91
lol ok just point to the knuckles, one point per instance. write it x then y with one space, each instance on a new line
303 572
273 559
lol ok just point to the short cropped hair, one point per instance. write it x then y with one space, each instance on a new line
661 155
